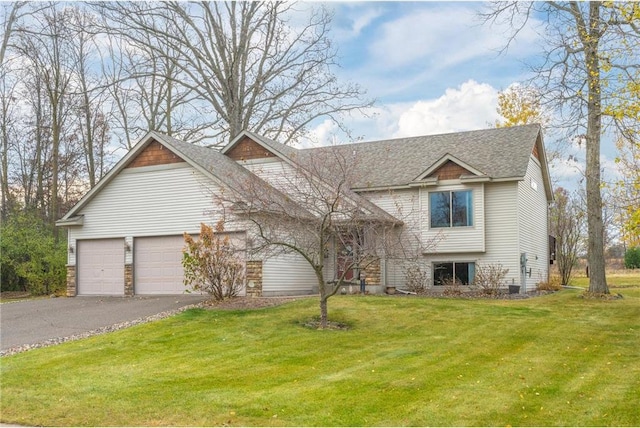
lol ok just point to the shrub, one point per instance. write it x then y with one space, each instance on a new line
554 284
632 258
489 278
417 278
452 287
30 259
212 264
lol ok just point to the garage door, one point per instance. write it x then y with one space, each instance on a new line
158 265
100 267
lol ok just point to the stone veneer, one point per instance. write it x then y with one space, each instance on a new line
372 273
254 274
128 280
71 281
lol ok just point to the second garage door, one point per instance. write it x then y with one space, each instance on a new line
158 265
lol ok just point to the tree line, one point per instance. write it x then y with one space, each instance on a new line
80 83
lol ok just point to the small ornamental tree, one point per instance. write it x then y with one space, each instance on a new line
212 264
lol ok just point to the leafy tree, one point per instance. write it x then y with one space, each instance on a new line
627 188
30 258
520 105
212 264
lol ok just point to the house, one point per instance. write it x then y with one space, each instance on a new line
477 197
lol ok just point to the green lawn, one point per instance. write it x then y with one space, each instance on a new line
618 279
552 360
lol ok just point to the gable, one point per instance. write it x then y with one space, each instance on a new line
247 149
449 171
535 151
154 154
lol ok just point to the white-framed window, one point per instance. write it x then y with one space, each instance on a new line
451 208
445 272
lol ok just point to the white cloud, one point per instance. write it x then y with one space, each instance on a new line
470 106
443 36
321 135
355 19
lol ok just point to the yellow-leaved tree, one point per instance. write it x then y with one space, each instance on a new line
519 105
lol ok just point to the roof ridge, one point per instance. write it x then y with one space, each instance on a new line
417 137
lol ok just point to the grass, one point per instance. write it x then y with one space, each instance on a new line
553 360
615 279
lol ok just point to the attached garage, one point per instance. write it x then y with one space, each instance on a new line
158 265
100 267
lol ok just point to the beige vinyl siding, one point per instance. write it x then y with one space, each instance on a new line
501 223
287 274
533 224
455 239
148 201
403 204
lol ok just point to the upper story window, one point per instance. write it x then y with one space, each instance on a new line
451 209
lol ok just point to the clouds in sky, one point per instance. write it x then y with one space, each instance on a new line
471 105
432 66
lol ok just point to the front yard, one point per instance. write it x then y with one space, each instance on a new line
550 360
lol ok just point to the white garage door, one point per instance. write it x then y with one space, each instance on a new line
158 265
100 267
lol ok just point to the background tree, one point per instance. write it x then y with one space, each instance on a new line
253 69
520 105
580 70
627 190
566 220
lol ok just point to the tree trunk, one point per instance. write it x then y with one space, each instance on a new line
324 318
597 277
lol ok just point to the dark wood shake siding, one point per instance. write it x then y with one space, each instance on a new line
154 154
535 152
450 171
247 149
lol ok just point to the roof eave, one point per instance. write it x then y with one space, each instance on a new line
71 221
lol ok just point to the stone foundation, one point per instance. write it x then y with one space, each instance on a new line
71 281
254 278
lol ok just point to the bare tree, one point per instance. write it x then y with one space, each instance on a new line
311 211
45 44
8 115
566 221
580 70
89 93
142 79
253 69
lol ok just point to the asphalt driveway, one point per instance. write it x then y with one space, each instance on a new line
30 322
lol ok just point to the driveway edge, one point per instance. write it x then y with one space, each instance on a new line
102 330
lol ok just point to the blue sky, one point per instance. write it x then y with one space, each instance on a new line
433 68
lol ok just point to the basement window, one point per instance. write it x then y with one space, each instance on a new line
445 272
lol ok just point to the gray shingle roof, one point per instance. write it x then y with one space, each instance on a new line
500 153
